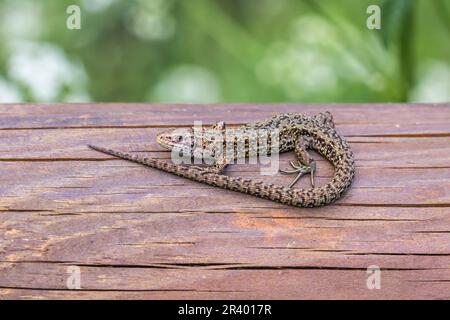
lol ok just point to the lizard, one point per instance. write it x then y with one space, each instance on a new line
297 132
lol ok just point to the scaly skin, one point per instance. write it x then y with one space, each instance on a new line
324 139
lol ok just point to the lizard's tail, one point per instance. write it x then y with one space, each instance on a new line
192 173
259 189
297 197
154 163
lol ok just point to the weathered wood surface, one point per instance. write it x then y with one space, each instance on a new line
139 233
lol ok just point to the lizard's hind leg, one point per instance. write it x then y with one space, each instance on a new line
305 163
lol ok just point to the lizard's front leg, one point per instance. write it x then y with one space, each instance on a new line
305 163
213 141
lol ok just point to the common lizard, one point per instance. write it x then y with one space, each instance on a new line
297 132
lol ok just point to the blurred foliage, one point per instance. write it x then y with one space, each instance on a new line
225 51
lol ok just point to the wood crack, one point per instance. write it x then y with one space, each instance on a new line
214 266
111 290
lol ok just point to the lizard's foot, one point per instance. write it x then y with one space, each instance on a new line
301 169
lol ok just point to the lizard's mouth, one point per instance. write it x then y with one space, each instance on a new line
161 139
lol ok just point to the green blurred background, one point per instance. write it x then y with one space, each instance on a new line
224 51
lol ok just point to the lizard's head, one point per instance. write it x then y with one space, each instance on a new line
185 140
180 138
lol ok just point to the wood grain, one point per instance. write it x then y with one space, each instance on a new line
139 233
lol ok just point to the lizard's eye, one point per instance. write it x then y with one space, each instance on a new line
177 138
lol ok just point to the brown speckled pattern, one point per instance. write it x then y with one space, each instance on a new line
325 140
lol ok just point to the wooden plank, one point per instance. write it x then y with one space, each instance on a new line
111 182
155 283
139 233
72 144
326 238
387 119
